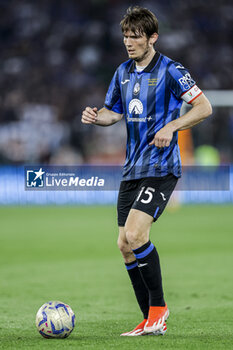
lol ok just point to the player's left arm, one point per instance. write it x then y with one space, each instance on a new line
201 109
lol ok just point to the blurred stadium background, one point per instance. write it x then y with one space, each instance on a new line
58 56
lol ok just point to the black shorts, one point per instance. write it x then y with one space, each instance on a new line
150 195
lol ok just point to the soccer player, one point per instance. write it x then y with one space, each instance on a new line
148 91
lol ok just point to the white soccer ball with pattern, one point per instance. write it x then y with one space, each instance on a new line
55 320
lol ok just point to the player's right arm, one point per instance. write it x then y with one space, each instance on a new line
103 117
113 110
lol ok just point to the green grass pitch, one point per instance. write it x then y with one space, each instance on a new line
70 254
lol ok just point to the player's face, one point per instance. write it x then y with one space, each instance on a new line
138 46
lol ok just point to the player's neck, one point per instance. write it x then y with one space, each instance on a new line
147 59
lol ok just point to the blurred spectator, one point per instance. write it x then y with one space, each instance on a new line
207 156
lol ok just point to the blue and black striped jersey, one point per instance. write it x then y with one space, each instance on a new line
149 100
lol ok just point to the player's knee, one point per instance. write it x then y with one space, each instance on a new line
136 239
126 251
123 245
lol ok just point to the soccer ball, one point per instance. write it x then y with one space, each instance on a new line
55 320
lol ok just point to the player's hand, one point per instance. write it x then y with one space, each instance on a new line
89 115
163 137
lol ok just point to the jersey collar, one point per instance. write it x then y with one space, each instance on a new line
150 65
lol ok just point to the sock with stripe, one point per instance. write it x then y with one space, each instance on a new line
149 267
139 287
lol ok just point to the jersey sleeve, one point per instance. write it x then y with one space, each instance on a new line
113 99
181 83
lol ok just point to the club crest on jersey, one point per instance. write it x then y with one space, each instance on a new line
136 89
135 106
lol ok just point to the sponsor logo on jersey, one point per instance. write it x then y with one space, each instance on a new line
138 119
186 81
135 107
125 81
136 89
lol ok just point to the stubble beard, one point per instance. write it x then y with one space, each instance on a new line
144 55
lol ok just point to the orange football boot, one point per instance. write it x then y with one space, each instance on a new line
139 330
156 318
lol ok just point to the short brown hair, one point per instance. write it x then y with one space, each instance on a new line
139 20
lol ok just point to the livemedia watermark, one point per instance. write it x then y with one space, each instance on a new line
108 178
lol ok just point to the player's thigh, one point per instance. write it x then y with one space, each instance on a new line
137 228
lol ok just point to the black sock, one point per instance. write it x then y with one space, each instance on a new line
149 267
139 287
